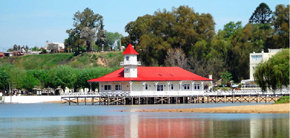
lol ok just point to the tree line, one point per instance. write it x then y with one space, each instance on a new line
183 37
61 76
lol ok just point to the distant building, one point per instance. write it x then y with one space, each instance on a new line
2 54
54 47
255 59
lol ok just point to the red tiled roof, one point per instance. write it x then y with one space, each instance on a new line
130 51
152 74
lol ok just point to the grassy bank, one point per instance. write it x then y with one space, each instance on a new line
49 61
284 99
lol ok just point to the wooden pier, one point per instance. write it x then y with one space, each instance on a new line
137 100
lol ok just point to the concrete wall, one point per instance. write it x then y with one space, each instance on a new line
30 99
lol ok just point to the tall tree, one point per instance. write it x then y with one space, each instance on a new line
281 26
179 28
112 39
101 41
262 15
176 57
85 24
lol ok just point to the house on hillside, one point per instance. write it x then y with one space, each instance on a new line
133 80
255 59
54 47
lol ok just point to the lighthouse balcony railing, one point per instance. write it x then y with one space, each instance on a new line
130 63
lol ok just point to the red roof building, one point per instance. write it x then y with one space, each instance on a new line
139 81
153 74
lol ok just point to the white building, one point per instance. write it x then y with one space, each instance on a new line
255 59
150 81
54 46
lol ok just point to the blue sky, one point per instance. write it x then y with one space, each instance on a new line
33 22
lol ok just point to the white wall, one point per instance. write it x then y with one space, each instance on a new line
130 71
139 86
132 60
30 99
125 86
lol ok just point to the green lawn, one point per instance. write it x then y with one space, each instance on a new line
284 99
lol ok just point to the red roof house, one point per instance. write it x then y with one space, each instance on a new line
150 80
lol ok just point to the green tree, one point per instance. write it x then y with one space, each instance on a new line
28 82
113 39
274 73
153 35
4 80
262 15
85 24
101 41
226 77
281 27
90 73
42 76
63 76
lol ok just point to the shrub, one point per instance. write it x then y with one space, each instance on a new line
284 99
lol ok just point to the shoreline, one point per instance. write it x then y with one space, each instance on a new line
270 108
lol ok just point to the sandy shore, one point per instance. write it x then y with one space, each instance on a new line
268 108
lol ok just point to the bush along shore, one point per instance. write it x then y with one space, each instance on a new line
284 99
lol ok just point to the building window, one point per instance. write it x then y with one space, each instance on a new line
186 86
159 87
127 58
107 87
196 86
171 86
118 87
257 57
146 86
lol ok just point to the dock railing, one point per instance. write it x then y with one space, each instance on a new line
158 94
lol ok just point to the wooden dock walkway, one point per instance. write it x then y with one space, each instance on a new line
138 100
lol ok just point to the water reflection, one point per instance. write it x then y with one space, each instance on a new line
140 125
103 121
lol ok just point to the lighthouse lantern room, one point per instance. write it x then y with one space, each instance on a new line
130 62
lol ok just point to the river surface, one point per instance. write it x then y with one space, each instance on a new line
61 120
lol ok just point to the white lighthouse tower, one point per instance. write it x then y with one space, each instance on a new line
130 62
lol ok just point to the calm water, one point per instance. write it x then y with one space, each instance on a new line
60 120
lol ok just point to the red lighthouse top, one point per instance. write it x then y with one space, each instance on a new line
130 51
